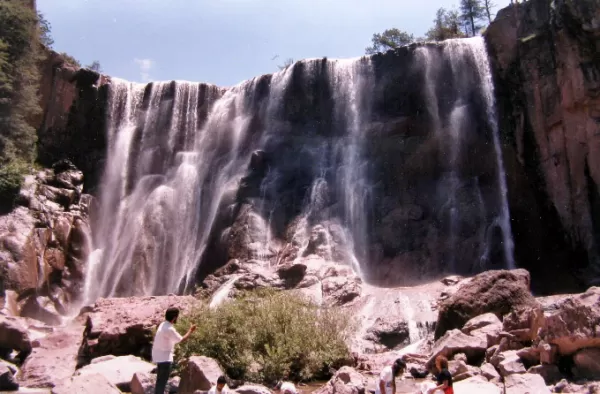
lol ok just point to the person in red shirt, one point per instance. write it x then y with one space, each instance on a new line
444 377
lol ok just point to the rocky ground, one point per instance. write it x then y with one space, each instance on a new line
499 338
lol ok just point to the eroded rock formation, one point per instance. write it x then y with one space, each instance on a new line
44 244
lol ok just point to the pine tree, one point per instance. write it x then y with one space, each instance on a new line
489 5
446 25
472 12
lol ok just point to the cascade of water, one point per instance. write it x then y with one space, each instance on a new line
451 130
351 81
223 292
483 67
178 151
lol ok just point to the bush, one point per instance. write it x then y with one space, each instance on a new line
11 177
266 335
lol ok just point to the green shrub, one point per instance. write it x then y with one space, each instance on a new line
267 335
11 177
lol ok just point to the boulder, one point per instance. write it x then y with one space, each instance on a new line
476 385
345 381
389 332
587 364
490 334
496 292
7 377
119 371
123 326
526 383
42 309
524 323
470 372
457 367
481 321
54 359
548 353
89 383
14 335
529 355
199 373
454 341
144 383
572 323
489 372
251 389
508 363
549 372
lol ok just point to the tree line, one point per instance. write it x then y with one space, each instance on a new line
25 41
465 21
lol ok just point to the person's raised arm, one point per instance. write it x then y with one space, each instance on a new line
188 333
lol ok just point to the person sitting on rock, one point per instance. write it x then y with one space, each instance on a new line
444 377
387 378
285 388
164 345
220 387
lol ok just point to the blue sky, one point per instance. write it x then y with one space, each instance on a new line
223 41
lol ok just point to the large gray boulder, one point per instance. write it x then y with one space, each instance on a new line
345 381
497 292
94 383
119 371
199 373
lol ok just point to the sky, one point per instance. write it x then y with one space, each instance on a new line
224 42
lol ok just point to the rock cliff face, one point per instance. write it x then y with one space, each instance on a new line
71 125
44 244
547 69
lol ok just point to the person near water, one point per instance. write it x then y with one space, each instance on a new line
286 388
163 347
387 378
444 377
220 387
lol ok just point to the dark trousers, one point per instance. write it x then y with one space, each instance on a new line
163 370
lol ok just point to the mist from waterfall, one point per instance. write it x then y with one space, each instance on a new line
293 152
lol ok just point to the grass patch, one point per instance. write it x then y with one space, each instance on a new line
267 335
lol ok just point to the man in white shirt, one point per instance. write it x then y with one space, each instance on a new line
220 387
386 384
163 347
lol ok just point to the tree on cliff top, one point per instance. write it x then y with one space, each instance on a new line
22 37
472 12
389 39
446 25
95 66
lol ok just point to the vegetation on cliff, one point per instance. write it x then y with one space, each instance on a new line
467 21
267 335
23 35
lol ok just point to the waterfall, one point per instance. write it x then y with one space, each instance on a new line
319 157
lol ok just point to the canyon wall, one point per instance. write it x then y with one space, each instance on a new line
547 70
545 67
